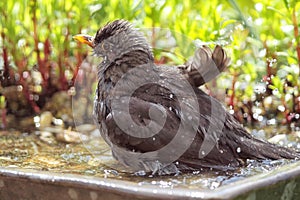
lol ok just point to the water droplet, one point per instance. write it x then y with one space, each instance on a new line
255 115
239 62
221 151
203 152
36 97
238 150
36 119
25 74
170 108
281 108
259 7
190 117
171 95
72 91
17 77
153 138
214 185
271 122
140 173
19 88
275 91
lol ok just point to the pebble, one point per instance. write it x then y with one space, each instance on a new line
46 119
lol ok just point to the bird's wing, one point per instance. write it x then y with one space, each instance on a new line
151 113
148 100
205 65
226 144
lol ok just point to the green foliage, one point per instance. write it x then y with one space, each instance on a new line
262 39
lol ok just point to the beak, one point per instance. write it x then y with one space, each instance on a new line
86 39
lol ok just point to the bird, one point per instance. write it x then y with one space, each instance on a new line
156 119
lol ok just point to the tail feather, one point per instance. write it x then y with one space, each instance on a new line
234 147
259 149
206 65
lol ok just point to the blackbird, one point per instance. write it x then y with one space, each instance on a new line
156 119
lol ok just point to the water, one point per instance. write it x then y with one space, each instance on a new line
212 179
29 151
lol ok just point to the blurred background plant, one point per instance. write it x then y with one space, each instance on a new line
39 61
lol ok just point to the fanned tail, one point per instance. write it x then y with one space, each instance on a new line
205 65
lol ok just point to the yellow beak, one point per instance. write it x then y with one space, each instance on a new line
86 39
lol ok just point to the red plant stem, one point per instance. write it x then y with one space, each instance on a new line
27 94
42 63
79 59
153 35
269 70
7 72
35 34
46 66
63 60
5 55
286 110
21 65
6 75
296 34
62 78
231 101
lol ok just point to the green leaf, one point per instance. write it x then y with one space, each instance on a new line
286 4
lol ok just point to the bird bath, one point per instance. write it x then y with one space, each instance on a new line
35 168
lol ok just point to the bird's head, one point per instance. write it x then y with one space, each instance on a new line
115 39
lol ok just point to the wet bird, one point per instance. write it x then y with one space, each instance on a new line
156 119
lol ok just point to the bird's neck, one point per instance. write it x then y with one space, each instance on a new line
112 71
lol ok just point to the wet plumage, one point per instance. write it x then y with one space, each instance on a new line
167 100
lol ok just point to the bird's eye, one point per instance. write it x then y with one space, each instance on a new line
105 46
